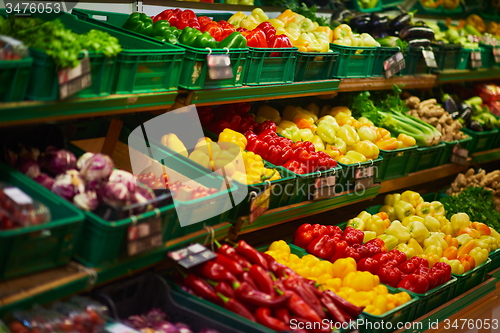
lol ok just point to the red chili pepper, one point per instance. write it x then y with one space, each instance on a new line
332 309
230 252
233 305
389 275
216 272
229 264
256 38
322 247
248 295
303 289
353 236
299 307
282 314
415 283
245 277
344 305
262 279
369 264
251 254
264 317
201 288
224 288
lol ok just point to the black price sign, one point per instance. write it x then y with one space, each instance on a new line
430 61
459 155
394 64
259 204
219 66
144 236
324 187
73 80
192 255
475 58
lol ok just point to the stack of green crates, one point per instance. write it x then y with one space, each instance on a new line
14 75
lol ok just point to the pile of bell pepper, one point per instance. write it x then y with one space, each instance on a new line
331 243
255 286
233 116
343 278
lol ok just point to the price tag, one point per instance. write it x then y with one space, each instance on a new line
459 155
219 66
259 204
119 328
324 187
364 172
496 54
364 183
73 80
192 255
430 61
475 58
144 236
18 196
394 64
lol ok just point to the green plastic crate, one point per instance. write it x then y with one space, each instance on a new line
465 58
35 248
195 68
216 16
434 298
382 54
267 66
402 314
14 75
349 172
447 56
482 141
495 260
449 146
354 61
305 184
487 55
395 164
415 62
354 4
426 157
472 278
315 66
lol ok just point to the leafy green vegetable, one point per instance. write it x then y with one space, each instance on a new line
477 203
62 44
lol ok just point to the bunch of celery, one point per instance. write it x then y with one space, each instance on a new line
390 113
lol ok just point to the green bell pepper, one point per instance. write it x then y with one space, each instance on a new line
234 41
167 39
160 28
188 36
205 40
140 23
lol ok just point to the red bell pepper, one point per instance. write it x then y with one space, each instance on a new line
164 15
227 28
340 250
251 254
234 121
353 253
256 38
193 23
252 141
247 123
264 317
248 295
445 268
233 305
420 262
274 155
229 264
322 247
397 255
303 235
433 279
187 15
214 30
334 231
242 30
218 126
268 29
319 230
353 236
205 114
242 108
279 41
408 267
202 20
368 264
262 149
295 166
266 125
389 275
415 283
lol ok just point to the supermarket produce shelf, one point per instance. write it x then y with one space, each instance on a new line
30 112
486 156
469 75
48 286
380 83
261 93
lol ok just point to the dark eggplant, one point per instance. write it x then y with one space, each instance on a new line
400 21
466 114
340 15
475 126
360 24
378 23
379 34
421 42
449 104
416 32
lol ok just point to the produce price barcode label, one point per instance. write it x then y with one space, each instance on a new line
73 80
259 204
192 255
459 155
429 58
394 64
219 67
496 54
364 178
475 58
324 187
144 236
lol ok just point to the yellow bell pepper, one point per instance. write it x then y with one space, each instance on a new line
463 238
173 142
286 16
456 266
269 113
360 281
282 31
342 267
412 218
276 23
313 108
390 241
389 210
480 255
436 240
459 221
432 258
432 224
348 135
409 251
447 229
412 197
323 41
201 158
415 246
418 231
424 209
259 14
356 223
399 231
369 235
376 224
228 135
355 157
367 148
306 25
328 32
434 249
392 199
438 208
404 209
250 22
236 19
293 32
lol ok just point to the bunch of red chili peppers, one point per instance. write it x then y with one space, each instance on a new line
255 286
329 242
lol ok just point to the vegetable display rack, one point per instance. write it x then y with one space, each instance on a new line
354 61
270 66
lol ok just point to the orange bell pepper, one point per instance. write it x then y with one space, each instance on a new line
450 253
466 248
471 232
387 144
304 123
467 260
451 241
482 228
383 134
383 215
286 16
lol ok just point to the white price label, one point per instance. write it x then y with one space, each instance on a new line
192 255
430 61
219 66
364 172
475 58
18 196
119 328
144 236
73 80
394 64
496 54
